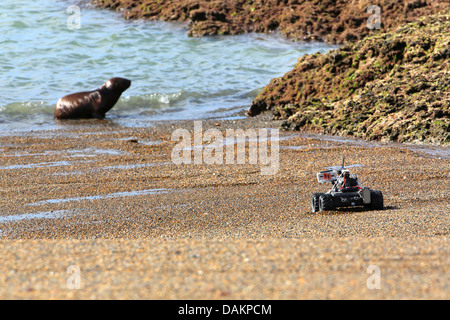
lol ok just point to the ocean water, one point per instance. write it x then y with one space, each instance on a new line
173 76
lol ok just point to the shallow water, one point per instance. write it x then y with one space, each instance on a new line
36 165
30 216
173 76
101 197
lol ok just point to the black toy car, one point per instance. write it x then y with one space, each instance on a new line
346 192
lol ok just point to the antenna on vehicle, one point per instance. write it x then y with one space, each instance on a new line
343 160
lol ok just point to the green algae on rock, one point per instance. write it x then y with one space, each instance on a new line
392 86
334 21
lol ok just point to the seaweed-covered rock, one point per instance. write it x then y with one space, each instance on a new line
334 21
392 86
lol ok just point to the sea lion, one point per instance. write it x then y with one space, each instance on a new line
91 104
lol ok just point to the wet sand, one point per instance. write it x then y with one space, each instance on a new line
109 200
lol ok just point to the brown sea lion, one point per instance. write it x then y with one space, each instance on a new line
91 104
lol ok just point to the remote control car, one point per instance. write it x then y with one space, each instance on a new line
345 192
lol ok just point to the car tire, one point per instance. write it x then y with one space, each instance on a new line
325 203
376 200
315 202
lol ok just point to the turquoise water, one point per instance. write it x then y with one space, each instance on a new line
173 76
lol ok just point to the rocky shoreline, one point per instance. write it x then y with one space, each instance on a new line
392 86
388 84
323 20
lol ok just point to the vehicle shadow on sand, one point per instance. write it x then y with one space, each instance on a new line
350 210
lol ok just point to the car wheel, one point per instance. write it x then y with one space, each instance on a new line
315 202
325 203
376 200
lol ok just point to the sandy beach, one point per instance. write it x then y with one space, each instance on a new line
105 209
110 202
